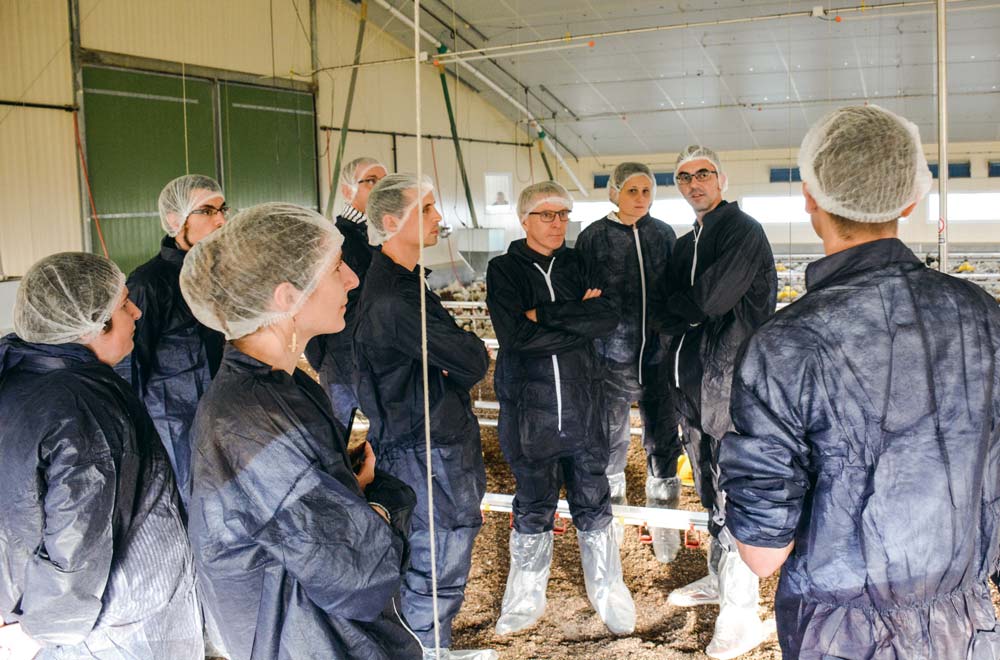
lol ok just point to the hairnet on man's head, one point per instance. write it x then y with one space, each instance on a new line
864 163
183 195
541 193
699 152
229 278
625 171
394 195
354 171
67 297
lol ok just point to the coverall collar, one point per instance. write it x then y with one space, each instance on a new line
867 256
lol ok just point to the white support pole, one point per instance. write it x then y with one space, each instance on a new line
532 121
942 91
627 515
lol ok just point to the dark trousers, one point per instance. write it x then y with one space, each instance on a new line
459 484
659 417
703 453
536 494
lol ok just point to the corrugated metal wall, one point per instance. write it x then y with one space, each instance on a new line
227 34
39 193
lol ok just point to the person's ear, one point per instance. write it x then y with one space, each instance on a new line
347 191
391 224
811 205
285 296
613 195
908 210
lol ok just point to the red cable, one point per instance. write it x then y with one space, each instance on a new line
86 178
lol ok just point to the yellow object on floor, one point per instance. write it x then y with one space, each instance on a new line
787 294
684 470
966 267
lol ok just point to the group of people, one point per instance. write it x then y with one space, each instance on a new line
177 487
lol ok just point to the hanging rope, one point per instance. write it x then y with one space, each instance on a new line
184 113
86 180
423 331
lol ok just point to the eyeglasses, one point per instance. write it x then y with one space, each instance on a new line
684 179
211 211
549 217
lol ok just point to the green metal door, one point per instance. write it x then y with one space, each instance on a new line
143 129
268 146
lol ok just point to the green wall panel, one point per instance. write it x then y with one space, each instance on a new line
268 146
143 129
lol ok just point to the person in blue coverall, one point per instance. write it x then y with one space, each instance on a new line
866 450
175 356
549 382
94 560
332 356
387 340
300 549
629 252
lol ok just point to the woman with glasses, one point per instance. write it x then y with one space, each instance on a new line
548 380
175 356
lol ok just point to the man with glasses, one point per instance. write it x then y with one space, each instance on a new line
722 286
548 381
175 356
332 356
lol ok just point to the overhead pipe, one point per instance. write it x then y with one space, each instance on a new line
532 121
818 12
458 147
942 90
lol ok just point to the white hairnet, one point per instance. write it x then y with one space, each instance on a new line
229 278
625 171
394 195
67 297
864 163
352 173
183 195
540 193
698 152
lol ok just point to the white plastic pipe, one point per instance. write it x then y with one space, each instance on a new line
627 515
532 121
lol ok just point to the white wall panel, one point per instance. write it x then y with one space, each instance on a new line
238 35
34 52
39 193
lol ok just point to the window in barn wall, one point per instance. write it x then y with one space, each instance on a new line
966 207
776 209
144 129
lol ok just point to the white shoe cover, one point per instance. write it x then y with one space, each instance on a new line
524 597
602 571
738 628
703 591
